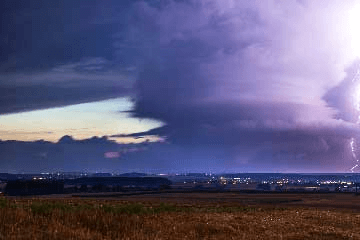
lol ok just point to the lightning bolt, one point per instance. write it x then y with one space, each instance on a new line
357 107
352 142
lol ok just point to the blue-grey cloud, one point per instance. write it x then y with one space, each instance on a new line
56 53
241 75
240 84
69 154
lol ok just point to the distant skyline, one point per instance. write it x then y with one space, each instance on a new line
225 85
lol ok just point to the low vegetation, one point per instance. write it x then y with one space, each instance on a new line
113 219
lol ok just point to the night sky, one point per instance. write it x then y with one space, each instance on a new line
179 86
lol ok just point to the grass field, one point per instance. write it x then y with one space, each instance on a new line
187 216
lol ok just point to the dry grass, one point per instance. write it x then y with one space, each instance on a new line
114 219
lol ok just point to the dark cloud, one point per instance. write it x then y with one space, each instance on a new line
165 130
230 76
28 98
68 154
42 34
55 53
246 85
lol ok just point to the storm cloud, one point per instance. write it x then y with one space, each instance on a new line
56 53
250 78
241 85
96 154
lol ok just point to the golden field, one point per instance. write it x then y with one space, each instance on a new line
182 216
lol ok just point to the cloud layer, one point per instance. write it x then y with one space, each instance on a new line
92 155
249 78
242 85
56 53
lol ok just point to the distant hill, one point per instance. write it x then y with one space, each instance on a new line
120 181
133 174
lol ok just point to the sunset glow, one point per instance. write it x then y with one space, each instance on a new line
80 121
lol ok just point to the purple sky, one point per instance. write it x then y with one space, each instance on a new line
237 86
